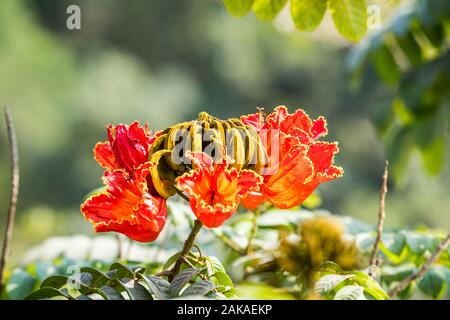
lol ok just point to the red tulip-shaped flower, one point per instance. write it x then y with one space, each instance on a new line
297 162
214 189
129 205
127 147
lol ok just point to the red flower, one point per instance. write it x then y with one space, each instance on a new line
127 206
297 163
127 148
214 189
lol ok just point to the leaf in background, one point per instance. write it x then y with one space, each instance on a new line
433 156
399 151
350 293
307 14
328 282
238 8
198 288
99 278
394 242
171 261
122 270
267 9
181 280
419 243
350 17
158 286
385 65
134 289
433 283
410 48
47 293
312 202
435 34
55 281
109 293
19 284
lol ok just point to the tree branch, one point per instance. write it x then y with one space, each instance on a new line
186 248
381 216
14 156
253 232
419 274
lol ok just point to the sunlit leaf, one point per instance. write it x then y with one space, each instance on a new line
307 14
350 293
267 9
350 17
238 8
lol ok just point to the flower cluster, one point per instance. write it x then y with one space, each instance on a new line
274 158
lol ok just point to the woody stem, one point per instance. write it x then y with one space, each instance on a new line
252 235
186 248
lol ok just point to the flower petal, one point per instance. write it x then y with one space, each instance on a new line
105 156
214 189
127 206
130 144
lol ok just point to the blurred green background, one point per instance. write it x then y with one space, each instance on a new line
163 62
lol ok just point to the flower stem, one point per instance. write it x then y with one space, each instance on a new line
252 235
13 196
186 248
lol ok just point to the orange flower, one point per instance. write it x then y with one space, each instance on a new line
214 189
297 162
127 206
127 148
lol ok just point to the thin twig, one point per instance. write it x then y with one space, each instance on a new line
166 273
186 248
14 156
119 247
181 194
414 276
230 243
381 215
253 232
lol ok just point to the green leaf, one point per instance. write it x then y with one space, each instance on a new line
224 284
134 289
238 8
307 14
385 65
433 283
122 270
47 293
399 151
55 282
19 284
198 288
350 293
171 261
158 286
394 242
330 268
350 17
417 242
99 278
433 156
370 286
392 274
410 48
181 280
267 9
109 293
328 282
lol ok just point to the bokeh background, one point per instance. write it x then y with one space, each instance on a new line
163 62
